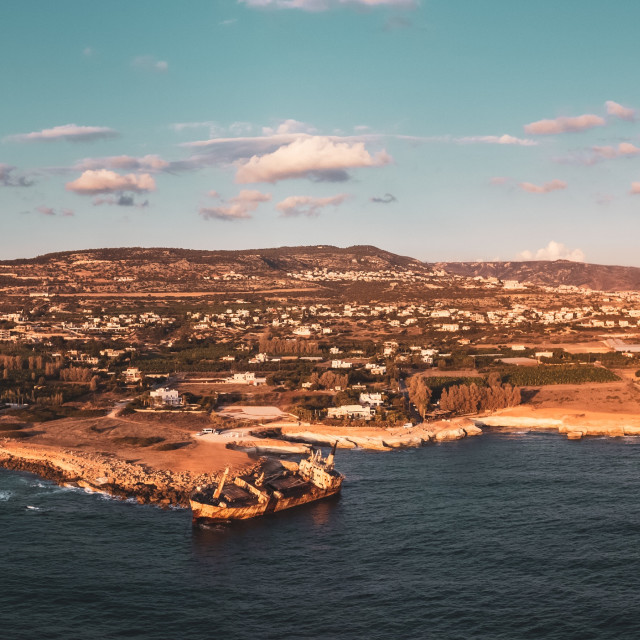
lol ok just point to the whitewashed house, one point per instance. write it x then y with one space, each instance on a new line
166 397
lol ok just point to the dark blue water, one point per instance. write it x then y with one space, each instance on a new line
496 537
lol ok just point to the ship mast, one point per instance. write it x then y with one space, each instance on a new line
329 461
218 491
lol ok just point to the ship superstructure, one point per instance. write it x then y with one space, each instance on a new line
252 495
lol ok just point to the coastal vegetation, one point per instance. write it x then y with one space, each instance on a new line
562 374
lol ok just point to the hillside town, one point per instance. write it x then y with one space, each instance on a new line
335 352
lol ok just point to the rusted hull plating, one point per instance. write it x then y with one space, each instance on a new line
212 513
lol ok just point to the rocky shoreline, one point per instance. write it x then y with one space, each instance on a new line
128 479
106 474
575 425
382 439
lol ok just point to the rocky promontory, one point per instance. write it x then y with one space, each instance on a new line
105 473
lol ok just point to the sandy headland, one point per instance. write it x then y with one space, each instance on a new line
154 459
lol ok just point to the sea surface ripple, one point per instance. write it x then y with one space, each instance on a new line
497 537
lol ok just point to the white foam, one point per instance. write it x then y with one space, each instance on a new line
5 495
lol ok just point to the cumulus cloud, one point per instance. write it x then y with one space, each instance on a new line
70 132
617 110
127 163
238 208
564 125
635 188
9 177
50 211
309 157
499 180
309 206
386 199
104 181
553 251
122 200
149 63
554 185
324 5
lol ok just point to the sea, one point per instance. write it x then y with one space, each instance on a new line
502 536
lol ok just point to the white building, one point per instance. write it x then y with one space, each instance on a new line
371 399
248 377
351 411
166 396
340 364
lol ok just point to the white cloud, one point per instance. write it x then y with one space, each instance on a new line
617 110
103 181
149 63
553 251
239 207
71 132
128 163
564 125
309 206
554 185
503 139
316 157
288 127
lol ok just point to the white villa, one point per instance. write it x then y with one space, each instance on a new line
371 399
351 411
165 396
248 377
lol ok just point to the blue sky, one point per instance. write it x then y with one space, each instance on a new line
440 129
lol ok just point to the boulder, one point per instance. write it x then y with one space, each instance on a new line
451 433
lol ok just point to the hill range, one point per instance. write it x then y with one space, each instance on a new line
157 264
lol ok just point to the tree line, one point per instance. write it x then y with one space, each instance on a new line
489 395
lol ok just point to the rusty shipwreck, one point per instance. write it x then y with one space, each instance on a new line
252 495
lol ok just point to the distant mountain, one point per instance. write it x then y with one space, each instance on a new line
170 264
552 273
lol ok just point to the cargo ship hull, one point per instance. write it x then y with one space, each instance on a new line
203 513
255 495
